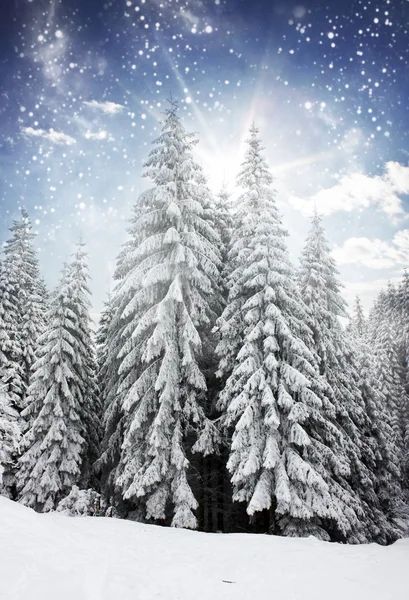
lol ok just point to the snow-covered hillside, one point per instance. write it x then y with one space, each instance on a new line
50 557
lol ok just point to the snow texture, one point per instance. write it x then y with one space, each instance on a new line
49 556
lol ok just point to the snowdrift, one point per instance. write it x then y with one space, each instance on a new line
54 557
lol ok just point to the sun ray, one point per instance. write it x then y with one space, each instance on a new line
303 161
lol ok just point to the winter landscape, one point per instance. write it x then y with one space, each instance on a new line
204 301
44 556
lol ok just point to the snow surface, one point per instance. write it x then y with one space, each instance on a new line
51 556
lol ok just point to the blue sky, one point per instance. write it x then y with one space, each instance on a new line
84 84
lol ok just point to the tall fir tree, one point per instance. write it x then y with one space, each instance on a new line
60 403
166 302
108 346
23 299
268 400
348 405
91 409
387 460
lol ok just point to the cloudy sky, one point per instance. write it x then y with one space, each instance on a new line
84 85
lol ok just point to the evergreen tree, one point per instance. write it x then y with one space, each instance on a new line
23 300
11 371
166 299
402 296
214 495
268 399
91 410
384 340
60 403
102 349
358 324
9 443
401 306
224 220
109 342
348 410
84 503
380 434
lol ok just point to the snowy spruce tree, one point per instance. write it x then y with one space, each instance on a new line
401 314
166 301
349 403
384 338
385 452
358 324
109 341
91 410
11 372
23 299
269 400
10 435
224 219
61 398
82 503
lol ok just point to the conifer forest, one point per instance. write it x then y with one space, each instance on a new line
226 387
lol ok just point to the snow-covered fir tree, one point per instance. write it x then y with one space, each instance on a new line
386 453
10 435
23 300
269 399
401 314
224 219
108 346
358 323
82 503
61 398
91 410
166 302
11 372
101 340
385 343
348 401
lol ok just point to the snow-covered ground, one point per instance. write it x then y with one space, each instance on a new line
54 557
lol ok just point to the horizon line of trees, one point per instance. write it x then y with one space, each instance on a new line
221 391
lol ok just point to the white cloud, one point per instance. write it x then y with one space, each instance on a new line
375 253
357 191
353 288
55 137
109 108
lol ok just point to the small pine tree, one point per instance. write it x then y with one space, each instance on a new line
23 302
82 503
358 325
60 400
